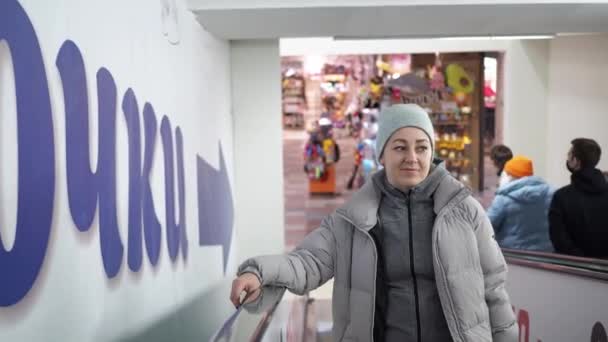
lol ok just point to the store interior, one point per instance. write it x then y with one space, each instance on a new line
330 108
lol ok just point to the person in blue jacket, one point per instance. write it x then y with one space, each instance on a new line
519 210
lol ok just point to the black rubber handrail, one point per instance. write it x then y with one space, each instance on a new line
558 257
583 267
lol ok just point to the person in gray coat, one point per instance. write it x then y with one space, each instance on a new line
412 254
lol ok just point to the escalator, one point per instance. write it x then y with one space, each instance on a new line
556 298
276 315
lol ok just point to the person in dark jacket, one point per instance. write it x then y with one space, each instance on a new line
578 217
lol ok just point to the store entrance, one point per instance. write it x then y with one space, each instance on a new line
330 108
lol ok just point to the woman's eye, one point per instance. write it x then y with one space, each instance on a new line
399 148
422 148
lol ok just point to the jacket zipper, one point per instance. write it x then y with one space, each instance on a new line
442 273
413 269
374 283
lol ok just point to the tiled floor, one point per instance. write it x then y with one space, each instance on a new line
303 212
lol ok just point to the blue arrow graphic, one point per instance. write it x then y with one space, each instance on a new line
215 207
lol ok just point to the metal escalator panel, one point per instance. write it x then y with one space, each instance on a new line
558 298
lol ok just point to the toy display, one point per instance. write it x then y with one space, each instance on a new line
451 97
320 155
347 92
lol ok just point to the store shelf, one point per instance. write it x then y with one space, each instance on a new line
293 101
340 80
334 78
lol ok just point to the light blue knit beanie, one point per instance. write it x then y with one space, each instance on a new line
398 116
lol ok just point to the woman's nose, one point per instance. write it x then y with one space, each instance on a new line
410 156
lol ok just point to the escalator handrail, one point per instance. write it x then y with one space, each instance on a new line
257 335
260 329
265 321
584 267
227 325
555 256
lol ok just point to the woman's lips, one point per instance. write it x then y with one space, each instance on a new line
409 170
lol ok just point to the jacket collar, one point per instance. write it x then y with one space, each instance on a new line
448 194
590 180
425 189
362 209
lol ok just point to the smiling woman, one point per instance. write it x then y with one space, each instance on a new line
408 153
412 254
407 163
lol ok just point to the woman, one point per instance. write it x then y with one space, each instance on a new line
412 254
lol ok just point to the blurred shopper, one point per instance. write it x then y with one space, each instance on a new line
578 217
500 155
519 210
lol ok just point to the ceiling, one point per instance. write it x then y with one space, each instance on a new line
236 20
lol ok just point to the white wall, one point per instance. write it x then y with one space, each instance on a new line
525 100
256 110
72 299
329 46
525 88
578 99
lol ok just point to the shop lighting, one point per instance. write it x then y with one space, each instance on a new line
498 37
324 122
290 72
484 37
313 64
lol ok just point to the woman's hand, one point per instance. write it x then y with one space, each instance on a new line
248 283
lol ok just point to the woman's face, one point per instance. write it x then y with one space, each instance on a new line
407 158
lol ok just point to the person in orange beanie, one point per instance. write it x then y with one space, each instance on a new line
519 210
519 166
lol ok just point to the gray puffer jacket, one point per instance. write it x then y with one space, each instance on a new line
469 267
